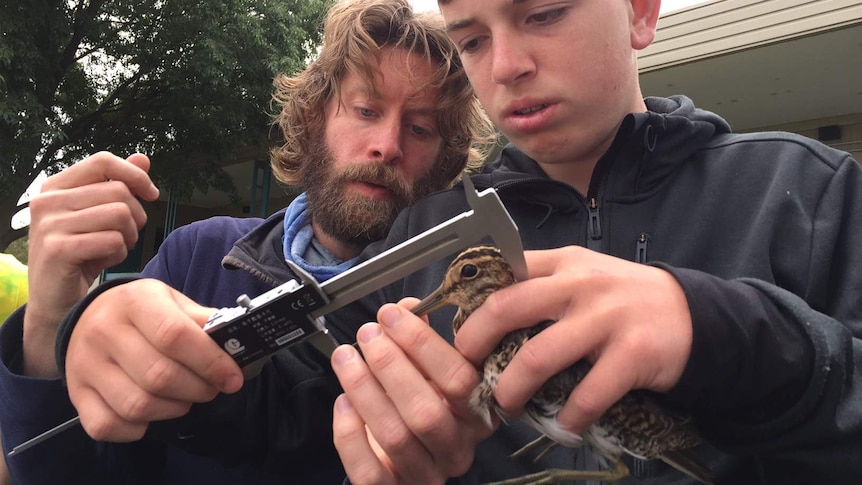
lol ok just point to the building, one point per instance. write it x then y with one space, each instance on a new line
790 65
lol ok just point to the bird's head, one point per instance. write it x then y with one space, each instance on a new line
470 279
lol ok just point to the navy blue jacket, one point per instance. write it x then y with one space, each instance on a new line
297 450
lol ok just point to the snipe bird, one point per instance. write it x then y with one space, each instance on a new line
637 424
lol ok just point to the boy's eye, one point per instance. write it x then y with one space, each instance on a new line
365 112
418 130
548 17
470 46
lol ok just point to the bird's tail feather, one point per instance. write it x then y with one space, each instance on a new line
687 462
481 401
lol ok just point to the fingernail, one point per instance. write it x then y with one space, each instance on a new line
343 354
343 404
390 315
368 332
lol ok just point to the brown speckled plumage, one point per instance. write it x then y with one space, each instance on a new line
637 424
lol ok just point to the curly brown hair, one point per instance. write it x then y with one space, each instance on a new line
353 30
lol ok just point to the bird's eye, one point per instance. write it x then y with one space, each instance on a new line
469 271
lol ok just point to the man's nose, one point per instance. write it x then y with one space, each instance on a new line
386 142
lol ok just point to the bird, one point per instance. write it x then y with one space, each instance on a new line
637 424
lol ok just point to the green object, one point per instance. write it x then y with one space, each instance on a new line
13 285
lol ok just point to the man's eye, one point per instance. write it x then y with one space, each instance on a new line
365 112
418 130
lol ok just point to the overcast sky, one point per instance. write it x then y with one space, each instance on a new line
666 5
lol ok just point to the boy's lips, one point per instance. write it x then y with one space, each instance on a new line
528 115
531 109
525 106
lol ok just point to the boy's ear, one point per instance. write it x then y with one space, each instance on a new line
644 20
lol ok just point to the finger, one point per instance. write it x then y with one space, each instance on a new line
521 305
139 160
76 199
377 409
610 378
128 401
547 262
549 352
81 197
153 372
349 434
428 414
174 332
106 166
453 375
103 207
418 402
100 422
105 248
104 219
199 314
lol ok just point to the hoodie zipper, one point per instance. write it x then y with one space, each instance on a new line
595 226
641 248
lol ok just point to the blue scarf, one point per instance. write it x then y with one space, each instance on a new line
301 248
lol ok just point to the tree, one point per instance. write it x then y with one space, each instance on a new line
186 81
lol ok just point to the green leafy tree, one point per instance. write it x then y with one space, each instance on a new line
187 82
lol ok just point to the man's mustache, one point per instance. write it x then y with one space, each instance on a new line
377 174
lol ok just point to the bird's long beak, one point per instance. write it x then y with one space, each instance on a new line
430 303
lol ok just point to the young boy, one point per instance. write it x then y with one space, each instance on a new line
721 271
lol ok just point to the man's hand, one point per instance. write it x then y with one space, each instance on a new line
404 416
139 354
631 320
85 219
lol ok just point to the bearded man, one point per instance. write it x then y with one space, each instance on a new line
383 116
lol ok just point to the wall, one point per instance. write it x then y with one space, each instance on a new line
851 132
724 26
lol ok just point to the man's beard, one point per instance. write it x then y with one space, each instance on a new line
351 218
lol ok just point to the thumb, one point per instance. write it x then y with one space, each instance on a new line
200 314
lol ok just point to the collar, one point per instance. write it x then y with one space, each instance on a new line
300 247
647 150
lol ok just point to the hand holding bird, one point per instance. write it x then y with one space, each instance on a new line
636 425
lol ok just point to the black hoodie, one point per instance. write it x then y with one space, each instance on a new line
764 233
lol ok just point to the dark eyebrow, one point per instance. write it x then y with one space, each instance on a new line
463 24
460 25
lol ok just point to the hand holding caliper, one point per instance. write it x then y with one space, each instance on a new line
260 326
